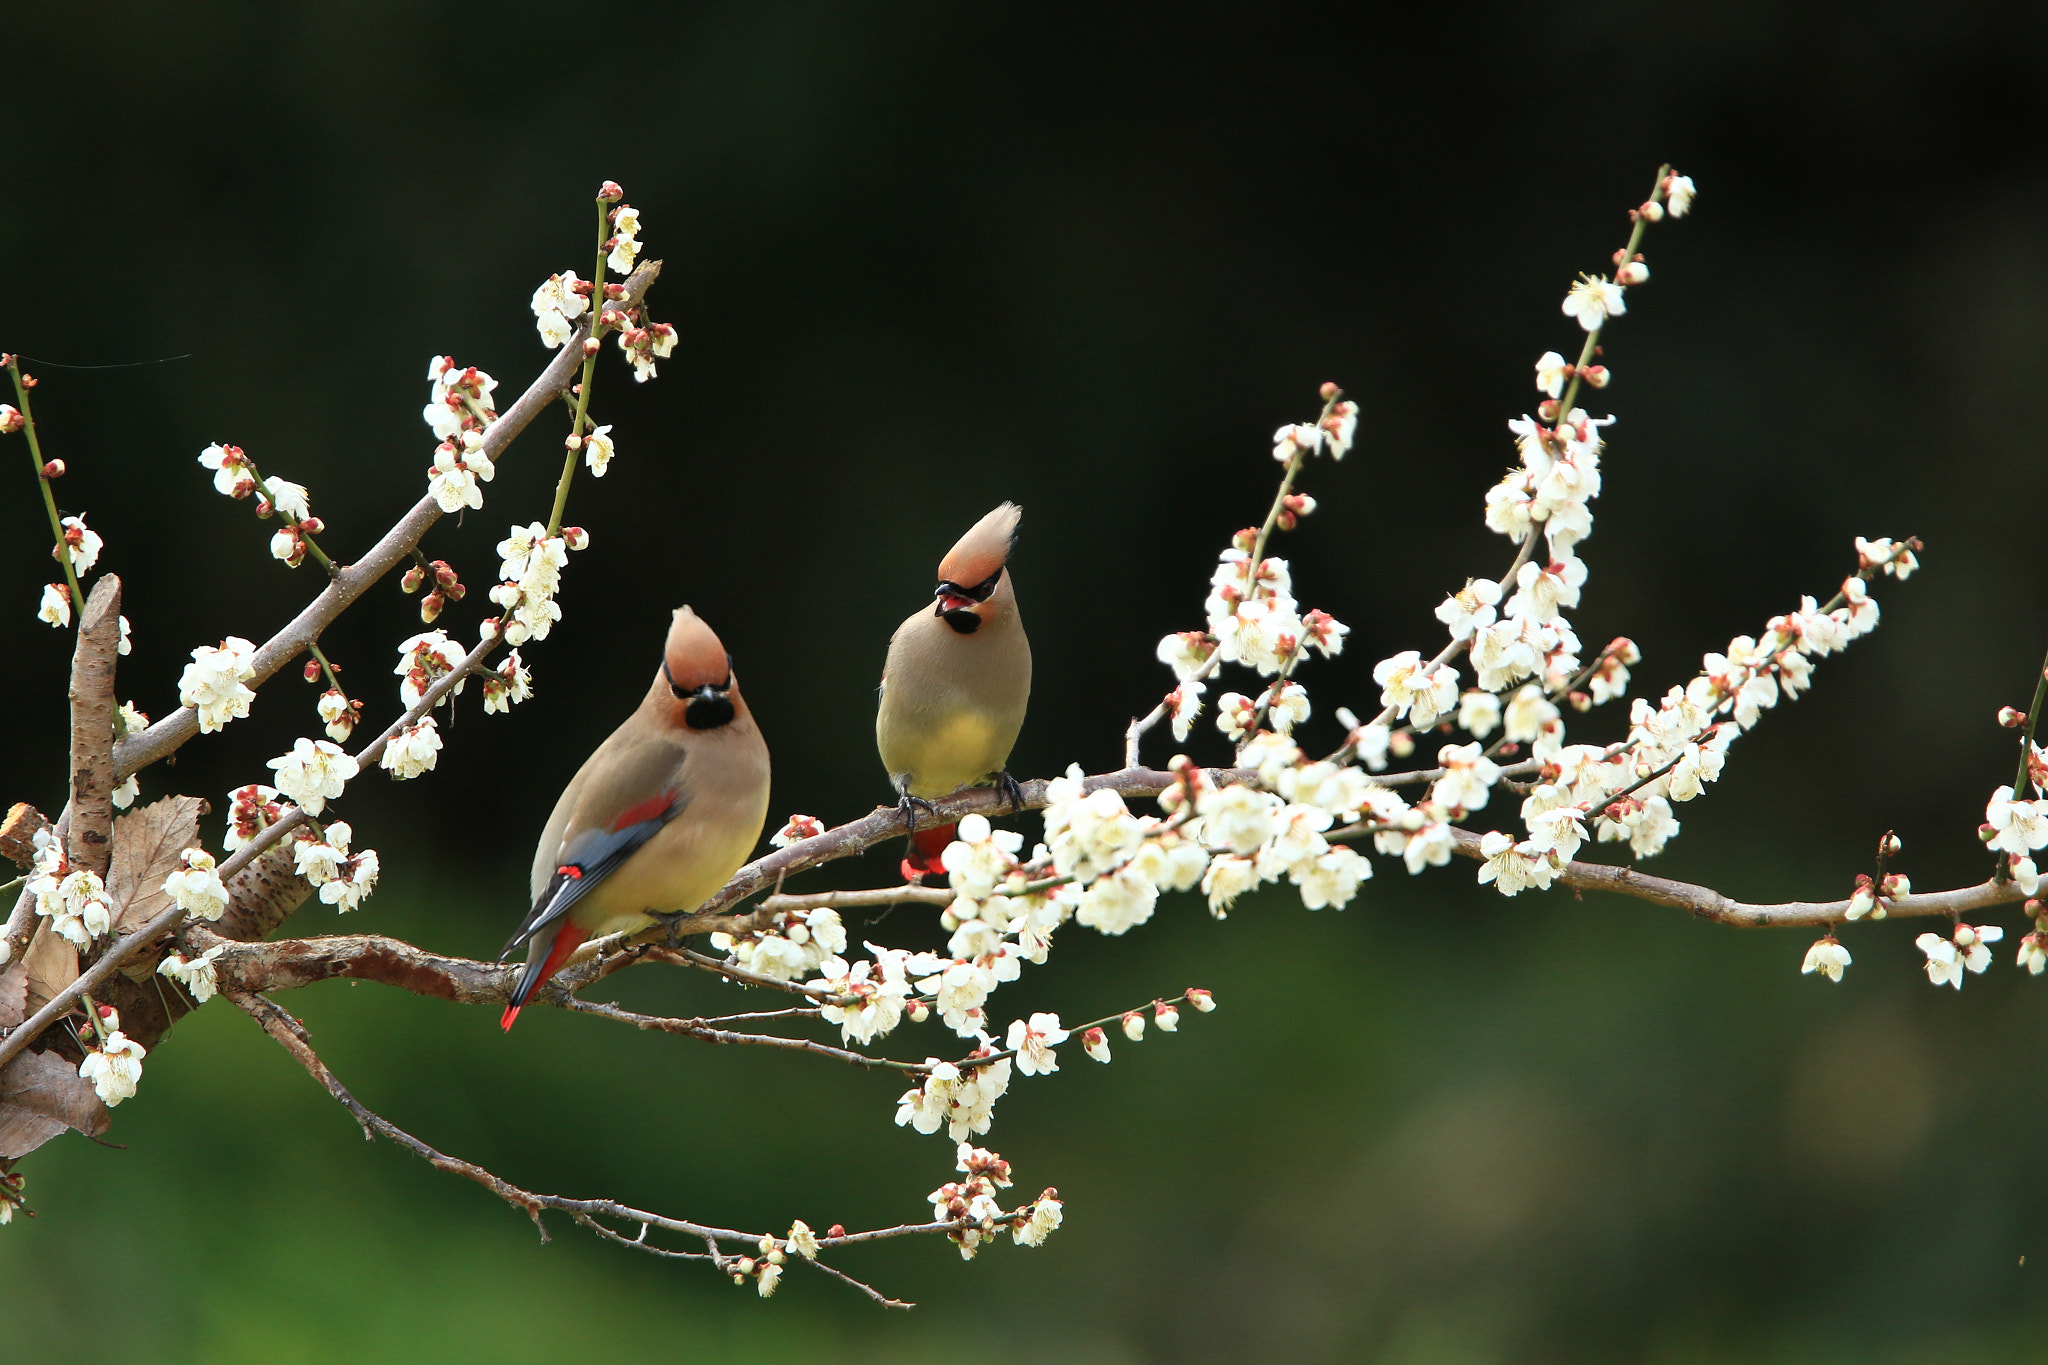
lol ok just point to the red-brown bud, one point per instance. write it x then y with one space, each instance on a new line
312 670
1547 410
610 193
2011 718
1330 391
412 580
443 574
53 469
430 606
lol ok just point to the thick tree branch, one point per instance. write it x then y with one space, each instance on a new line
1709 904
353 580
89 840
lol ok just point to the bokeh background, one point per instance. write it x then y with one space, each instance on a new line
927 257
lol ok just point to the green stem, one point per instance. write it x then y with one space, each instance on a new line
579 424
263 488
35 452
327 668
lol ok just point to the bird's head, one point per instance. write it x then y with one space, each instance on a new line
704 694
973 572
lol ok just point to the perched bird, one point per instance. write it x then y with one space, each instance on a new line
657 819
956 683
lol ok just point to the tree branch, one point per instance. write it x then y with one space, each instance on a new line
291 1035
89 841
1709 904
353 580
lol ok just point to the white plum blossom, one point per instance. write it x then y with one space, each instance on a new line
1289 708
1186 653
423 660
625 243
1237 819
1117 902
81 543
598 450
1468 778
1096 1044
459 395
196 887
1964 950
75 901
232 474
1046 1215
313 773
1331 879
1470 608
980 856
1827 956
801 942
797 829
2018 827
115 1068
1227 878
198 976
345 880
1034 1040
213 684
1552 370
413 750
55 608
1418 696
460 462
1593 300
1183 705
1478 713
1088 834
1678 193
556 306
878 989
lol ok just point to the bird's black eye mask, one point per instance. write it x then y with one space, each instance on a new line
709 706
956 604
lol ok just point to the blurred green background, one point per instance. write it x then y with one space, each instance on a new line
927 257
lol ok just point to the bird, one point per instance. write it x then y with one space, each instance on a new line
956 684
656 820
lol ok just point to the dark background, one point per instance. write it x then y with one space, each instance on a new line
924 258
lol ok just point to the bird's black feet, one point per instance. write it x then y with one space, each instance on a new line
669 923
1012 792
909 806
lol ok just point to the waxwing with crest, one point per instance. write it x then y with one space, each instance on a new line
654 822
957 681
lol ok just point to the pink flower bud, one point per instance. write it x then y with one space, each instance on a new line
412 580
1581 701
591 346
1547 410
443 573
610 193
1134 1025
575 536
572 443
1596 375
2011 718
11 419
1889 846
917 1011
1895 885
615 291
1202 1000
1635 272
431 605
1167 1017
1401 745
312 670
1096 1044
53 469
1652 210
1329 391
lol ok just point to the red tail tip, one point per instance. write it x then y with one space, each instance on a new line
506 1020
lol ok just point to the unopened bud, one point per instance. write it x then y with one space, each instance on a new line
1547 410
312 670
1134 1025
2011 718
1329 391
1895 885
11 419
1401 745
444 574
413 578
1889 846
836 1230
575 537
1167 1017
53 469
1596 375
1653 211
591 346
572 443
615 291
1287 521
313 526
1635 272
610 193
431 605
1581 701
1202 1000
918 1012
1096 1044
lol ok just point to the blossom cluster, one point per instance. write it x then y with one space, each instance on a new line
114 1066
530 567
797 943
74 900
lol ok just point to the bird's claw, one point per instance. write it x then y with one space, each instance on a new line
1011 790
669 923
908 808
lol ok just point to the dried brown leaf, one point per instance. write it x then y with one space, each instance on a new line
51 964
13 994
41 1095
147 845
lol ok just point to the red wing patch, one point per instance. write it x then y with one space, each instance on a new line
571 871
647 810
